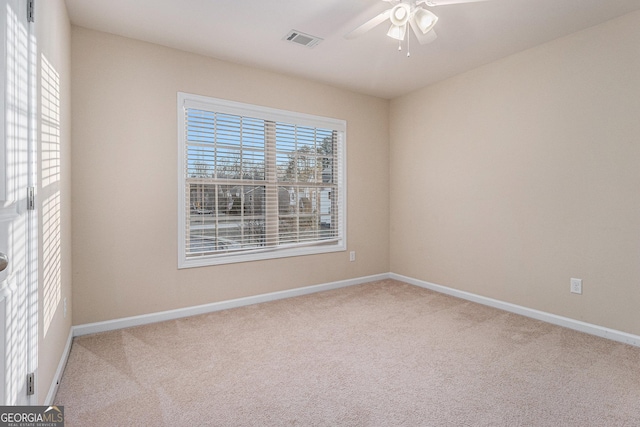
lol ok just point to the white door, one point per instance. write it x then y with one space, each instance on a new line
18 280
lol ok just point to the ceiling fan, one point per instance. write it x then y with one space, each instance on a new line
413 13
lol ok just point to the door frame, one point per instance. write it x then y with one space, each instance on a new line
19 288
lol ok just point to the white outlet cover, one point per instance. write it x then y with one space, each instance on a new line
576 286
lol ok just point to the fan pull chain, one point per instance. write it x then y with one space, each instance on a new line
408 47
400 47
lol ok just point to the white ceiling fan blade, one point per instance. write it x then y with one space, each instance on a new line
423 38
377 20
446 2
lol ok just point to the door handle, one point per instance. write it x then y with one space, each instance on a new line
4 261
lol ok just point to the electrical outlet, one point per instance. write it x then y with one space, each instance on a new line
576 286
352 256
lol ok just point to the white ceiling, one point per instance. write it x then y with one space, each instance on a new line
251 32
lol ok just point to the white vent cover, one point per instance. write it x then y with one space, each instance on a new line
298 37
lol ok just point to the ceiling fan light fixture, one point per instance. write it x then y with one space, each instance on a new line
400 14
425 19
397 31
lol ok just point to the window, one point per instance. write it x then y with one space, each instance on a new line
257 183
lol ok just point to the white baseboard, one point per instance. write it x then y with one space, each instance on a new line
110 325
566 322
127 322
53 389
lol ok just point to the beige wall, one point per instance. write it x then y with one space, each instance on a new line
510 179
125 178
505 181
53 38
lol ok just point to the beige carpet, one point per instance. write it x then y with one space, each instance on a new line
379 354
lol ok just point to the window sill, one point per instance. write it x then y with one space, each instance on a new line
210 260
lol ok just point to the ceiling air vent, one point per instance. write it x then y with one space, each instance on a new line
302 38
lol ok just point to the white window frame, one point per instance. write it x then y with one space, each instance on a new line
186 101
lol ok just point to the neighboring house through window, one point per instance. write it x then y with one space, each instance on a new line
257 182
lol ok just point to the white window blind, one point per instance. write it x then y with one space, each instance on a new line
257 183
